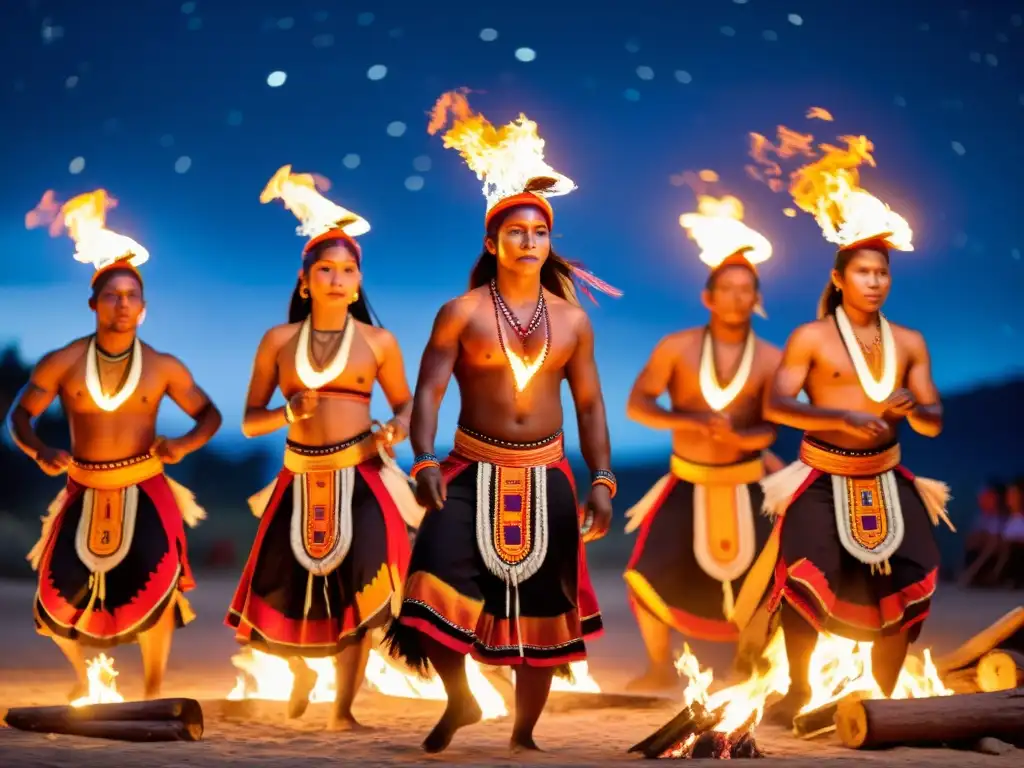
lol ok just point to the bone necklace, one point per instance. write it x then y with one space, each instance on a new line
112 402
314 379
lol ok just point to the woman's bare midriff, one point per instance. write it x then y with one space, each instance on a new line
334 421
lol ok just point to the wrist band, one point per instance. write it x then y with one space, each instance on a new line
289 416
423 461
606 478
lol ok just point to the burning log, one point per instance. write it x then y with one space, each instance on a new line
147 721
939 719
822 720
1001 671
691 721
962 680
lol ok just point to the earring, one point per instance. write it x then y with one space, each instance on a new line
304 292
355 297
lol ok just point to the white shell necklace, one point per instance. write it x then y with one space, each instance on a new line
715 395
112 402
877 389
314 379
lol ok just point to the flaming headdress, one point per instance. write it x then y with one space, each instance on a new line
510 162
84 218
718 229
509 159
828 187
319 218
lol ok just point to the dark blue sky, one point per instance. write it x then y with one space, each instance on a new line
626 95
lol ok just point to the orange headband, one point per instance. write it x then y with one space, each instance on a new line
523 198
119 264
334 234
737 259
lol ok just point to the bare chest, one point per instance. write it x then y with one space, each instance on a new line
482 347
728 380
294 366
79 394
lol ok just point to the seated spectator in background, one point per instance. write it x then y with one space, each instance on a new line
1009 566
982 548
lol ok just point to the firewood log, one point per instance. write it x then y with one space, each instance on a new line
1000 671
1006 633
932 720
158 720
816 722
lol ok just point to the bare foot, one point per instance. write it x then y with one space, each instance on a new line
785 709
456 715
80 689
523 743
340 722
305 681
655 679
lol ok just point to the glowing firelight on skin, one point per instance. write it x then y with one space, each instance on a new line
102 688
838 667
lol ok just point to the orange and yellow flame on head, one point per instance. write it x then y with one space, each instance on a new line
718 229
301 194
828 187
509 159
85 219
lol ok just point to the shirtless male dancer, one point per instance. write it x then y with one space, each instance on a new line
332 548
112 559
857 555
498 568
700 526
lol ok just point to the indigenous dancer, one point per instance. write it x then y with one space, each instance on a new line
700 525
332 547
112 559
498 570
857 555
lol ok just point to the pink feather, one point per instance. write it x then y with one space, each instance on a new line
587 278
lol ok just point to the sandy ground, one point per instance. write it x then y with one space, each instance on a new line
33 672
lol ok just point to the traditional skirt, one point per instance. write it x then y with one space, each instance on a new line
857 554
700 533
330 553
112 557
500 572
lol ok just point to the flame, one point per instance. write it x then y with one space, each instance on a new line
102 688
84 217
838 667
508 159
582 681
719 231
819 113
828 186
263 676
300 193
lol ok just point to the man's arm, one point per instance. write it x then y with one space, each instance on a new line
780 397
38 394
258 419
187 395
760 437
581 373
642 406
926 418
391 376
436 367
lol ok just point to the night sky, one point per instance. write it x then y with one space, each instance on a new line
167 106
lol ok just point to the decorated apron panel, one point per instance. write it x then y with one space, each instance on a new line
107 526
322 518
868 516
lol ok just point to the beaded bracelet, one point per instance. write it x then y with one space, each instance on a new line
606 478
423 461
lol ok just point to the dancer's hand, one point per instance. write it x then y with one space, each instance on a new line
53 461
597 513
431 492
168 450
863 425
303 404
900 403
